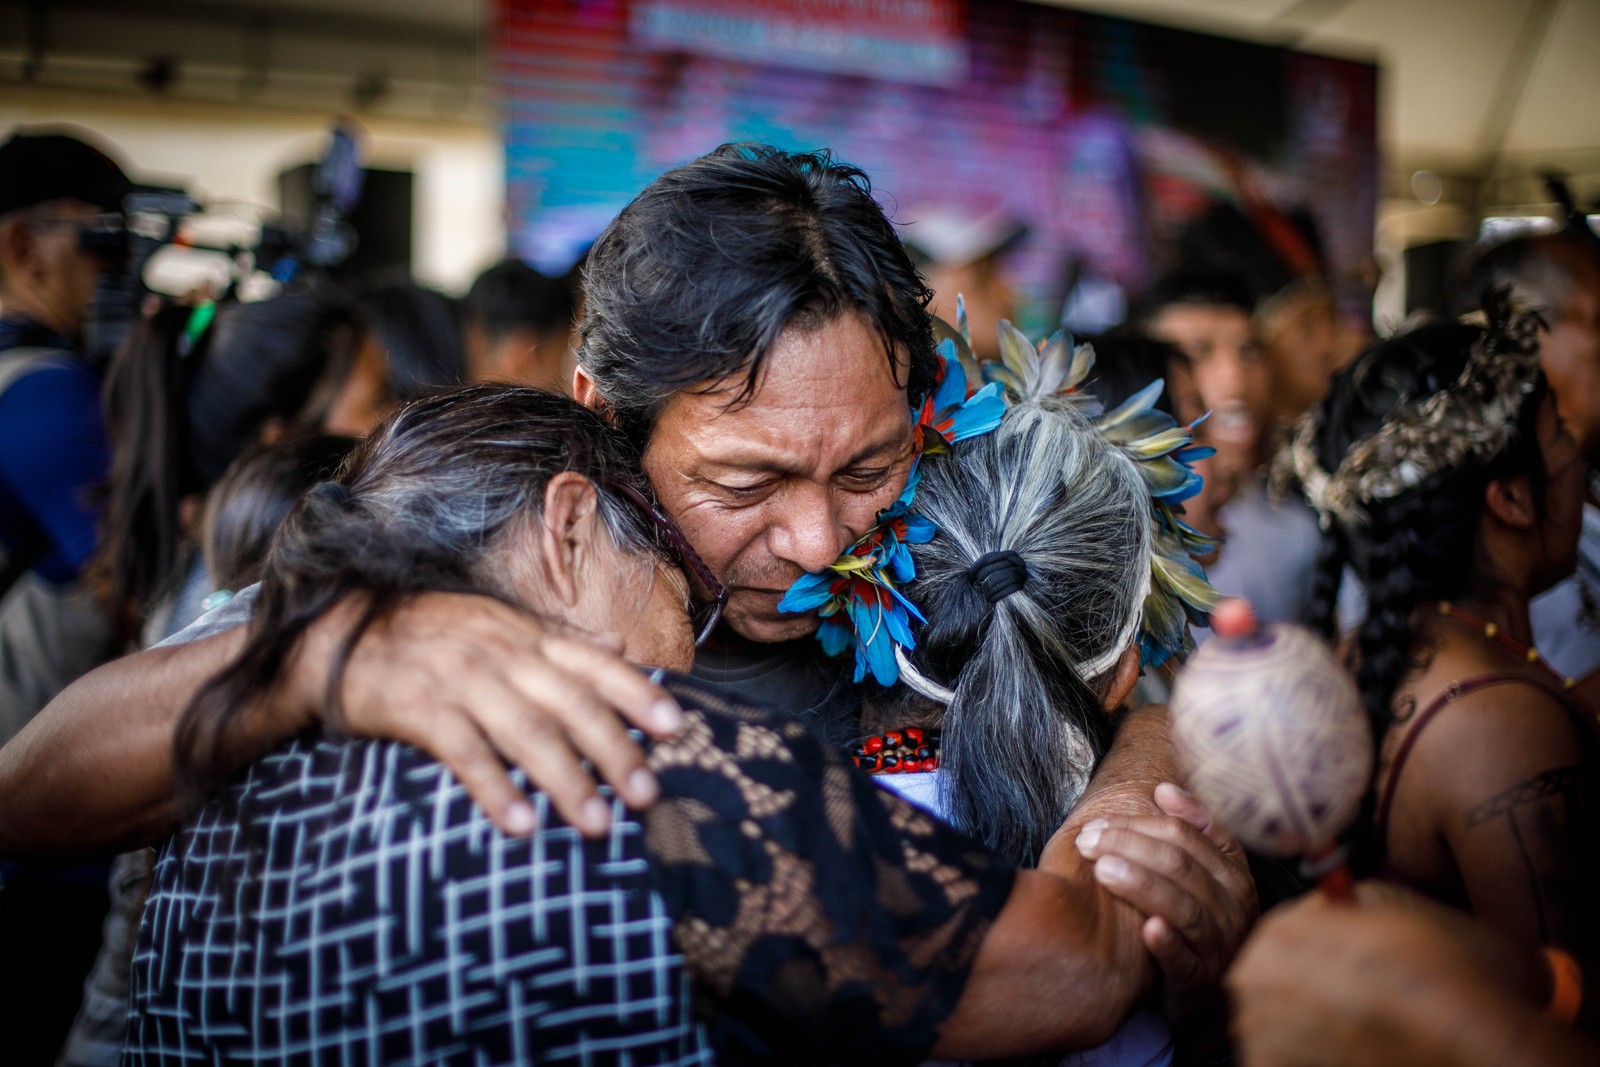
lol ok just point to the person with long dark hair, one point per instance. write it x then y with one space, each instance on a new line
190 390
1450 487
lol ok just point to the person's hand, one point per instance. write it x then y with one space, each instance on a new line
475 683
1324 983
1189 877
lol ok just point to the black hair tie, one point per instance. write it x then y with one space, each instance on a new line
334 493
998 574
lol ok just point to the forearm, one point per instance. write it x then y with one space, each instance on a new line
94 769
1140 759
1065 961
1061 968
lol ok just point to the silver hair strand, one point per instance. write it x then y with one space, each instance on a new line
1019 735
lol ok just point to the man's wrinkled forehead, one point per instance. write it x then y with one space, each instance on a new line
751 381
815 387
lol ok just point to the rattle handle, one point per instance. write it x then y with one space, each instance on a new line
1332 874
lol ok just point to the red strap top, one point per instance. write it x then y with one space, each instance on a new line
1454 692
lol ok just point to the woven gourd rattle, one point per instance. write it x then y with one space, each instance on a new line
1273 736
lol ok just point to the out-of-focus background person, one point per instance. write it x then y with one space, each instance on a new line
410 343
53 451
53 457
518 326
1398 982
964 255
1559 275
191 390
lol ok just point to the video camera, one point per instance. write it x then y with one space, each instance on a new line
154 217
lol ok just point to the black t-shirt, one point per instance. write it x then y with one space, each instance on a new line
796 679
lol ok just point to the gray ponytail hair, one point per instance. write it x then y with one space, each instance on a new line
1025 727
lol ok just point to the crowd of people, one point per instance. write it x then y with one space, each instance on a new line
728 660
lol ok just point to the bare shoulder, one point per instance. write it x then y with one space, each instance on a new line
1511 741
1498 736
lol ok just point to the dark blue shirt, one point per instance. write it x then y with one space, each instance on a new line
53 453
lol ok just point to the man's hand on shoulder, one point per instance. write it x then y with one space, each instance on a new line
476 683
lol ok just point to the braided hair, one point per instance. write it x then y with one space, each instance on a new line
1421 544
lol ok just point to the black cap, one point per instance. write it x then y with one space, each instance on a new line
39 167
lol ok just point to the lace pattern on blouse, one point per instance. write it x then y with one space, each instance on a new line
823 918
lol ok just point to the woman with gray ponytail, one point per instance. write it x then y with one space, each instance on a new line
1047 566
1032 590
1037 545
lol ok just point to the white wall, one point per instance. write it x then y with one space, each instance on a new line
236 151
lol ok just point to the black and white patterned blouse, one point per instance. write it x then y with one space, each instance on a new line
346 903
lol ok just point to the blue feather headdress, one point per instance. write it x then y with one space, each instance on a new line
859 596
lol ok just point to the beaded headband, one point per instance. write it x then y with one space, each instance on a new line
858 596
1471 420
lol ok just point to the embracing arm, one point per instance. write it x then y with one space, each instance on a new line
1183 899
828 919
790 875
466 679
1086 955
1159 850
1140 759
93 770
1061 967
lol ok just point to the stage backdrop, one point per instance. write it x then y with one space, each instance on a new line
1110 139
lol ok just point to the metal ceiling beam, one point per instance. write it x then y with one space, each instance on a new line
1514 79
1307 16
1509 93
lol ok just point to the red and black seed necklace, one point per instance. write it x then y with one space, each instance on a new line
904 751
